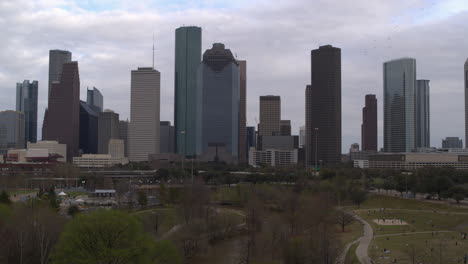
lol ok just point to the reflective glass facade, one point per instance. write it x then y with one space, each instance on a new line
26 102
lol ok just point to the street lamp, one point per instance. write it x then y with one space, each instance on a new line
316 134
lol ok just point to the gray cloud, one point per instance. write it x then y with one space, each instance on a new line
274 37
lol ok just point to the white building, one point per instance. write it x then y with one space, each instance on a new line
98 161
116 148
272 157
144 114
52 146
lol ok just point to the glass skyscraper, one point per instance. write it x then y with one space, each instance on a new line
187 60
26 102
219 100
95 99
423 139
399 81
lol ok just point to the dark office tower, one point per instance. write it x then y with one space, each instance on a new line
270 116
88 128
167 137
108 128
62 122
26 102
423 136
323 108
95 98
399 105
243 109
285 127
187 60
56 60
466 102
369 124
251 137
123 134
219 84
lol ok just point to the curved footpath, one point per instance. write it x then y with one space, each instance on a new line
364 242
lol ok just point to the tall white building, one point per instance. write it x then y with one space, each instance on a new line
144 114
399 80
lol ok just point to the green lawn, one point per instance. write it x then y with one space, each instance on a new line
351 257
447 247
352 232
441 247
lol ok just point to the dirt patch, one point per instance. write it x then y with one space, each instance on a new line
387 222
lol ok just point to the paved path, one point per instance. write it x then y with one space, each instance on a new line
364 242
342 257
412 210
415 233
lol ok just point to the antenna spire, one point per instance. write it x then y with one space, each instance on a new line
153 50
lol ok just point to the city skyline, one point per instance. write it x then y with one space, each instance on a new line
100 67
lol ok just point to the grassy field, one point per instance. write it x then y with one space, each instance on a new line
351 257
167 218
433 233
352 232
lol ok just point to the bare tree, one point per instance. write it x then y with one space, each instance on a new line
343 219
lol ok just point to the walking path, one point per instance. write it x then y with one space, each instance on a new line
412 210
364 242
414 233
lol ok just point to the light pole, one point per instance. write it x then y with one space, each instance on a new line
316 134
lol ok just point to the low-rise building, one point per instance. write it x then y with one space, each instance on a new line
413 161
53 147
98 161
272 157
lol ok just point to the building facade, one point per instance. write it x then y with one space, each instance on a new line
108 128
88 128
26 102
219 98
95 98
144 114
466 101
369 124
53 148
123 134
187 60
414 161
62 120
251 137
167 137
399 80
278 142
116 148
302 137
243 112
56 60
270 116
423 127
272 157
452 142
285 127
11 131
323 108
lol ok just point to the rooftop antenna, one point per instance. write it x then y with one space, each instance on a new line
153 50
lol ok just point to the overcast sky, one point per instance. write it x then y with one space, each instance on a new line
109 38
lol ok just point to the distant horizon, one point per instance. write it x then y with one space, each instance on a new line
275 40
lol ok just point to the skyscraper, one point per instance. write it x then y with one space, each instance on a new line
56 60
95 98
219 87
187 60
423 135
11 131
452 142
285 127
144 114
242 112
399 81
62 120
323 107
302 137
466 102
251 137
26 102
88 128
270 116
123 134
369 124
167 137
108 128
